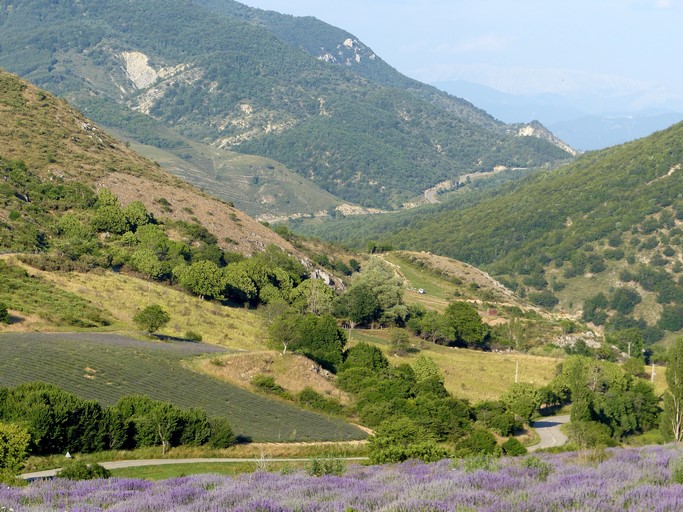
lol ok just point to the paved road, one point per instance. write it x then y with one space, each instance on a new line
549 431
118 464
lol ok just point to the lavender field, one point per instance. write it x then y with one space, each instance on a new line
621 479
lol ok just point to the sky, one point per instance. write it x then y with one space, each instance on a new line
630 49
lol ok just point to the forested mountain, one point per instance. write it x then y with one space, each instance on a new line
245 80
604 228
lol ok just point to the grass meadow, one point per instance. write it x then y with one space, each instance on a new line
123 295
470 374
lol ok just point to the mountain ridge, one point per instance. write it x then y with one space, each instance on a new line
610 221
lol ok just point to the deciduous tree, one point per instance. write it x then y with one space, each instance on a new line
152 318
672 421
14 442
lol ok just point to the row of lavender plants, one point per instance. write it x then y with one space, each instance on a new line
633 479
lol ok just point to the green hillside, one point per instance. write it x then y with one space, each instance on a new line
92 234
191 73
607 223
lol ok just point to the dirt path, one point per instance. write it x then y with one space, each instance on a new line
549 431
119 464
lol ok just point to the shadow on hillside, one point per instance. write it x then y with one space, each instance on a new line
15 319
166 337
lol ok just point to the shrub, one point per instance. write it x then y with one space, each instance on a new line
222 435
480 441
544 299
481 462
314 400
268 384
522 399
193 336
513 447
4 314
427 451
494 416
625 300
542 468
81 471
587 434
322 467
152 318
676 466
396 440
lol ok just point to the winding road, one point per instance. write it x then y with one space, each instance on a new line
549 431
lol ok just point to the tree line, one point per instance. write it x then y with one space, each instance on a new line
45 419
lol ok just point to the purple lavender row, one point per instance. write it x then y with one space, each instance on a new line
643 479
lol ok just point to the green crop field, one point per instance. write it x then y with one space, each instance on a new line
105 367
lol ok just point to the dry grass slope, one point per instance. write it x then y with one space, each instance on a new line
471 374
57 142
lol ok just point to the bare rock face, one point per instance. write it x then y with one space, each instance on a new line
569 340
154 82
138 70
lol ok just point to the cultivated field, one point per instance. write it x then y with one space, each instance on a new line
106 366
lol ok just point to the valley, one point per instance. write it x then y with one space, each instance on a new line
236 241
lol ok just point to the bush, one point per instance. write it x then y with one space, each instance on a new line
542 468
544 299
314 400
589 434
81 471
481 462
152 318
625 300
322 467
522 399
398 439
513 447
4 314
268 384
494 416
193 336
676 466
480 441
222 435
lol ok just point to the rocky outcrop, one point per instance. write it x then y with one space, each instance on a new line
536 129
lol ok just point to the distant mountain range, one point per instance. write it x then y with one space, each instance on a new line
211 81
585 123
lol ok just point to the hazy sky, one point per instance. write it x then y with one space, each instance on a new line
574 47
